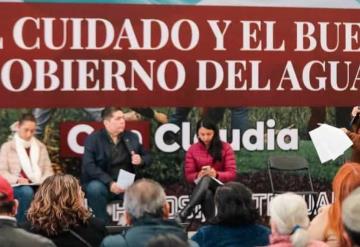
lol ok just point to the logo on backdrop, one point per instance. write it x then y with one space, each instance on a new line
264 136
261 201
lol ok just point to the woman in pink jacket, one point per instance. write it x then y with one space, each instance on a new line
207 163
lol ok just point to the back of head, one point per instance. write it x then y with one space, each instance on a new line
346 180
288 212
58 205
167 240
351 216
234 205
145 198
7 201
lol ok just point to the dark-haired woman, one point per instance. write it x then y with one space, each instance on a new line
207 159
24 160
236 221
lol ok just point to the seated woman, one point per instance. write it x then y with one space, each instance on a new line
289 222
327 225
236 221
209 158
24 160
58 212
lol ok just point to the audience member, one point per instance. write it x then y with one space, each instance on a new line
351 218
167 240
327 225
24 160
289 222
147 211
10 234
236 221
59 213
207 159
106 152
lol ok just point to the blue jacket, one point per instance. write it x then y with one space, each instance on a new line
95 162
240 236
143 230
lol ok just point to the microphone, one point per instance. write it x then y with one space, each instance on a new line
129 146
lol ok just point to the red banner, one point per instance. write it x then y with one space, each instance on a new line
73 135
76 55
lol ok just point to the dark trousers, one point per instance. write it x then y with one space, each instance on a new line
203 194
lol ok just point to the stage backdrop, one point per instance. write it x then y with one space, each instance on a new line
266 72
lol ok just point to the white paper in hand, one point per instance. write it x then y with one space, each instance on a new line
330 142
125 179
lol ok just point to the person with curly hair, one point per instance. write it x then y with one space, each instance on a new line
58 212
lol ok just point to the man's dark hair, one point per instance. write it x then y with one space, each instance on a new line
6 207
234 205
108 112
27 117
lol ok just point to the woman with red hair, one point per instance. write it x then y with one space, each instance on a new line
327 225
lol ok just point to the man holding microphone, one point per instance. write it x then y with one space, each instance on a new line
106 152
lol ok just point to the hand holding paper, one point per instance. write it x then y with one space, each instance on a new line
125 179
330 142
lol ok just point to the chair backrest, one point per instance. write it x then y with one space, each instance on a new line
289 163
283 164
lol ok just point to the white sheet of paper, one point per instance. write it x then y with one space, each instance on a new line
197 180
125 179
330 142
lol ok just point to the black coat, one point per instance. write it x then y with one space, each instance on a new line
93 232
96 158
13 236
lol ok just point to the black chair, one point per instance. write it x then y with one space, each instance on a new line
287 166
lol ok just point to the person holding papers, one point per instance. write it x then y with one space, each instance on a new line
354 134
109 154
24 161
208 163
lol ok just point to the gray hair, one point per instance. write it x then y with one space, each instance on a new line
145 196
289 212
351 211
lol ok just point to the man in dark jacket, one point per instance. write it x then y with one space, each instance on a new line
107 151
147 211
10 234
